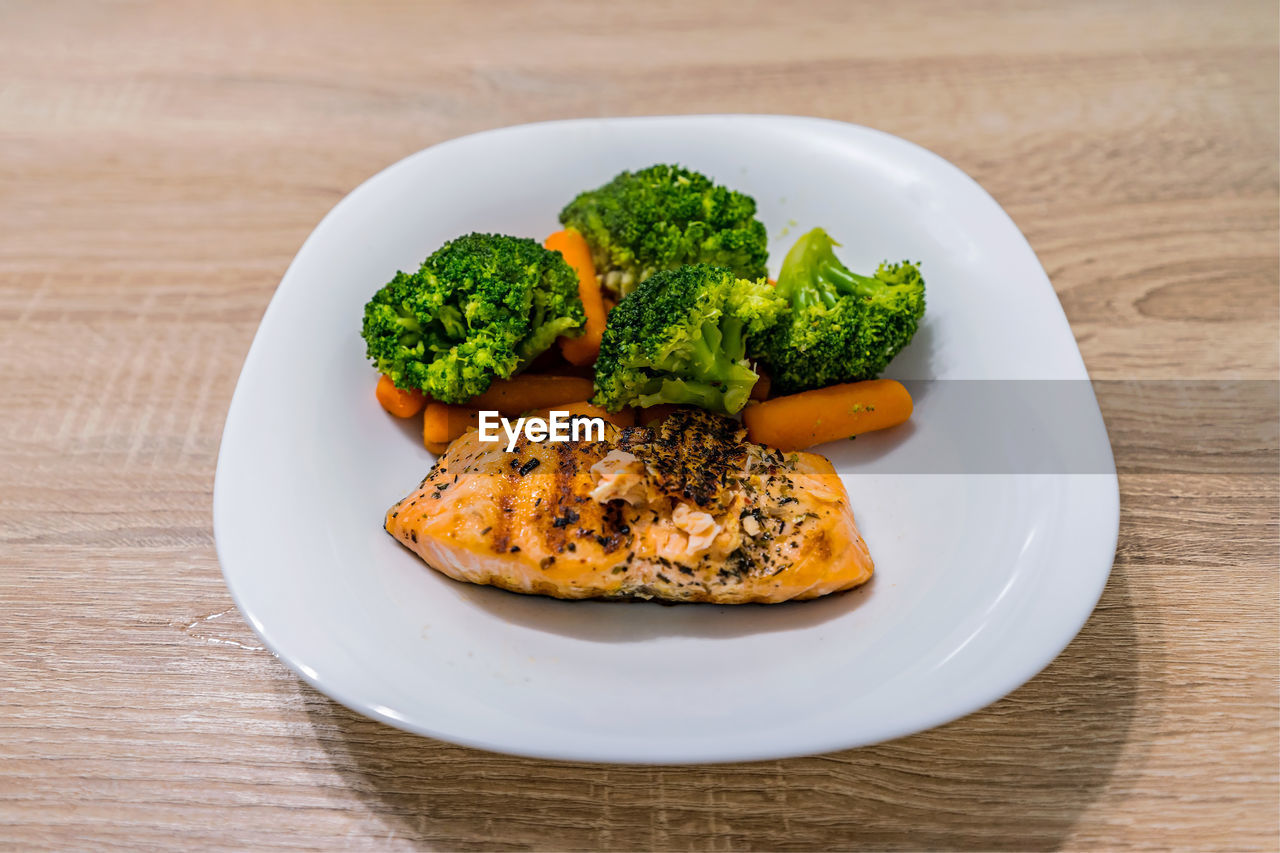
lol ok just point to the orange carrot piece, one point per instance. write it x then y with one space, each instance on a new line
814 417
621 418
397 401
760 391
584 348
442 423
531 391
437 447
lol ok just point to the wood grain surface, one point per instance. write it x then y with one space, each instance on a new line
161 162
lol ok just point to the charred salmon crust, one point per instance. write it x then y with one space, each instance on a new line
682 510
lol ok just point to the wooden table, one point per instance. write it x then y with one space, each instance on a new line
160 163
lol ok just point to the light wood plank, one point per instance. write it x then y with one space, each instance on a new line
160 163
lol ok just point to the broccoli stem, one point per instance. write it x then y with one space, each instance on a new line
686 392
839 280
812 274
717 355
713 371
450 319
733 343
704 354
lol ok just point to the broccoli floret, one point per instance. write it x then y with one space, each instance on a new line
681 337
843 327
481 306
663 217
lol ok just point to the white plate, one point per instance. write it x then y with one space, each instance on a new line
981 579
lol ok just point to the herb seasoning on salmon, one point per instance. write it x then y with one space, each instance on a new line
684 509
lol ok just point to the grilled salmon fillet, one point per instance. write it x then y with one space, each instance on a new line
682 510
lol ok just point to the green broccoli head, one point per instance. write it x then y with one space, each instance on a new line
663 217
843 327
481 306
681 337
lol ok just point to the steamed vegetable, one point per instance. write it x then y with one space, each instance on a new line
532 391
442 423
826 414
842 326
397 401
681 337
481 307
661 218
583 349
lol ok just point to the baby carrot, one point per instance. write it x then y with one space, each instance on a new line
442 423
397 401
584 348
814 417
531 391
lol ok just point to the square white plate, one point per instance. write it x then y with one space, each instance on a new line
981 579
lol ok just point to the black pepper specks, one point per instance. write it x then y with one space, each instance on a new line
570 516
